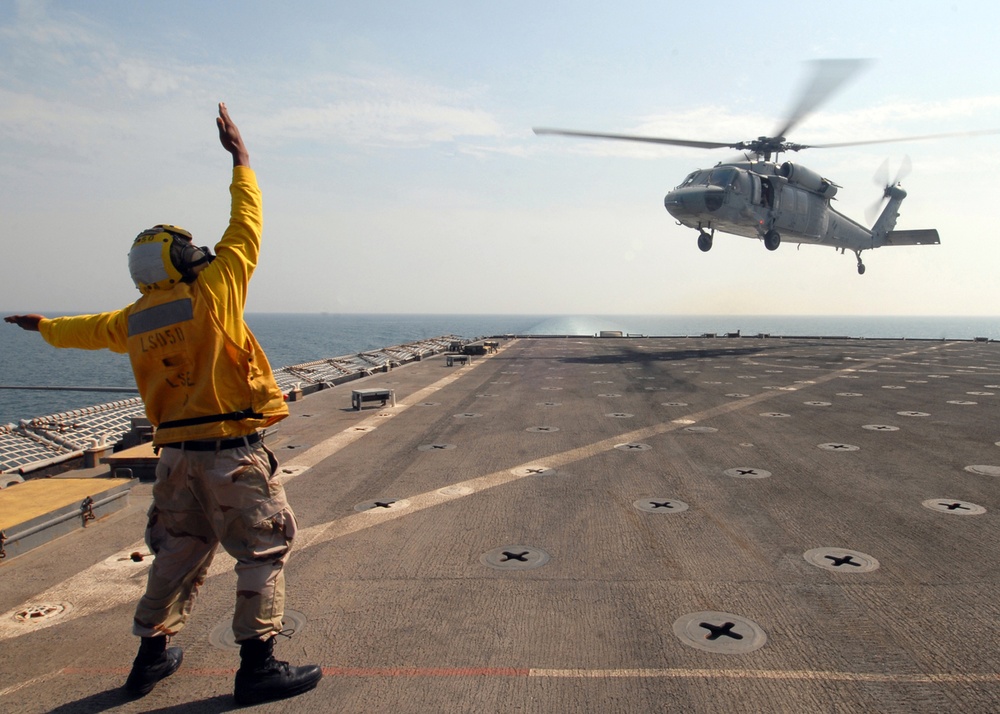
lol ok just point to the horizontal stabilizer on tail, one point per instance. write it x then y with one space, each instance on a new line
925 236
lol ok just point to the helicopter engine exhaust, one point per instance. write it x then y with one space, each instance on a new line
806 178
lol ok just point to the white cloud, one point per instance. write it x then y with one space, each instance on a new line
381 121
903 118
141 76
98 78
380 109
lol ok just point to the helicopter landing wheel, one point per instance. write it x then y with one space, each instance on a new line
861 266
704 242
772 239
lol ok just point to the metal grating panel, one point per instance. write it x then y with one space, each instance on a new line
83 428
18 448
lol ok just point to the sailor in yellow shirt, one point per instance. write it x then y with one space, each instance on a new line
207 387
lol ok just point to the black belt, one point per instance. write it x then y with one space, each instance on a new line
215 444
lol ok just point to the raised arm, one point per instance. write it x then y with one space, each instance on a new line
230 137
228 277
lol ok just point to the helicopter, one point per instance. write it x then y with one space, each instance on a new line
786 202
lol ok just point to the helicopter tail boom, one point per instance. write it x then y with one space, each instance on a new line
887 219
883 233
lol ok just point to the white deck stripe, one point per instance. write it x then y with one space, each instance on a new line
30 682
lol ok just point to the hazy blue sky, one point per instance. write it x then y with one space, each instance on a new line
393 145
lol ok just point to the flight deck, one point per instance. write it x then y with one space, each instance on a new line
577 524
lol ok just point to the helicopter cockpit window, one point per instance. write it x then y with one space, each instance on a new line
697 178
722 177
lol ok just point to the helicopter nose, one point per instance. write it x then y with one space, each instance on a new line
692 202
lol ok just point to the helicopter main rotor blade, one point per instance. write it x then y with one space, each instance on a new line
950 135
828 77
630 137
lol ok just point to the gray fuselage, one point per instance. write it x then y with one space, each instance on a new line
752 198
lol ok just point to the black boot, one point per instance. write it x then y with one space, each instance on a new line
153 663
262 678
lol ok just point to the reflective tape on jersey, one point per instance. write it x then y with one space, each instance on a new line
160 316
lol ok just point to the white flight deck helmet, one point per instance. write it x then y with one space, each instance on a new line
163 256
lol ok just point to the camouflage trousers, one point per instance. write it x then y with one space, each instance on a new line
202 499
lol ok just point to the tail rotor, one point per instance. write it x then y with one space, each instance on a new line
881 179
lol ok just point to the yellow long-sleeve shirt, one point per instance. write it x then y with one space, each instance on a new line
191 351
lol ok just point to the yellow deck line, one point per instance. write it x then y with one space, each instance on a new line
34 498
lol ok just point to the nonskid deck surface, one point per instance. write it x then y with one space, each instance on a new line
593 525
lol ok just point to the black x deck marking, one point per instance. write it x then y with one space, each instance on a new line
717 631
846 560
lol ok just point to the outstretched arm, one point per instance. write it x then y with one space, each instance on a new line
230 137
25 322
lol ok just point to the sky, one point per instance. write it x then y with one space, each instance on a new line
394 148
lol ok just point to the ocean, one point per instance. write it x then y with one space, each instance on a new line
296 338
